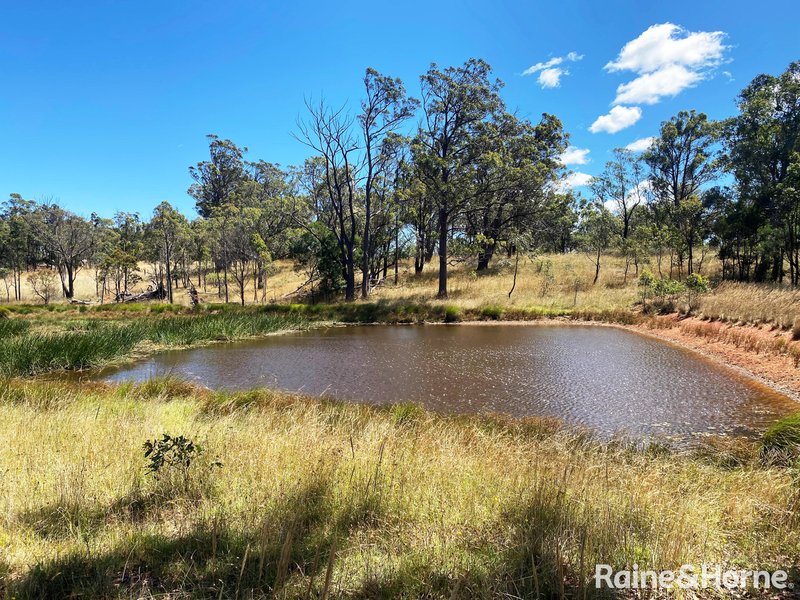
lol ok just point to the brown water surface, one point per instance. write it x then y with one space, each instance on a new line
607 379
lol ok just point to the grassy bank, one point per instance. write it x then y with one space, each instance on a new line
316 499
71 342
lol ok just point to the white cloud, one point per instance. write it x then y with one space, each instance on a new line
574 180
617 119
640 145
550 72
550 78
575 156
667 59
659 47
650 88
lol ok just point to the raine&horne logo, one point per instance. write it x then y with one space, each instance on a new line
688 577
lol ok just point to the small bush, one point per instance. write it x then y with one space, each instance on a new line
796 329
177 464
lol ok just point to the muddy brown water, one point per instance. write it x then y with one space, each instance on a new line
607 379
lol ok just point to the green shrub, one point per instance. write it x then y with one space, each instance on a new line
4 312
177 464
697 283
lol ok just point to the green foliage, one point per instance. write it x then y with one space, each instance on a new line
668 288
177 464
697 283
646 282
317 253
170 452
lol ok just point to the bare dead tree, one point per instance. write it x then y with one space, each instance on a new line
329 133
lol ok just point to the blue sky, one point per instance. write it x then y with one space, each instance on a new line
104 105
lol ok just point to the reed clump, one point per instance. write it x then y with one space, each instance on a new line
83 345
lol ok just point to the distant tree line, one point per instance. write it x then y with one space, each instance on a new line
452 174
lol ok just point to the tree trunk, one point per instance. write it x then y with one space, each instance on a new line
169 278
350 275
596 268
485 256
396 248
442 254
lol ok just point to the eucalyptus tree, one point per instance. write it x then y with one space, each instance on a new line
623 184
514 179
67 240
761 144
217 179
270 192
420 213
682 160
242 242
557 220
384 108
597 230
19 248
457 104
167 227
129 238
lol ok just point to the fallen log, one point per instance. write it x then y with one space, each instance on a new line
155 291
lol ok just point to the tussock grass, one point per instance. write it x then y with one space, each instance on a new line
781 442
322 498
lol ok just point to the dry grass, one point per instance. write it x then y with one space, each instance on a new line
320 498
284 280
753 303
753 340
547 281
